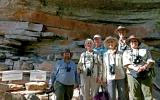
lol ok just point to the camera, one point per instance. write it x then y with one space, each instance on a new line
112 69
89 72
68 69
137 59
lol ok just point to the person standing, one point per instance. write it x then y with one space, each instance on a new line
64 76
122 33
114 71
98 45
139 64
100 49
122 46
89 67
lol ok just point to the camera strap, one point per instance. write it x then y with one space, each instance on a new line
67 63
101 58
114 59
92 59
136 54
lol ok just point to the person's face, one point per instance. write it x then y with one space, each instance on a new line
134 43
66 55
111 44
97 41
122 33
89 45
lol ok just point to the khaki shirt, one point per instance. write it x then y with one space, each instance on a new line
90 60
128 57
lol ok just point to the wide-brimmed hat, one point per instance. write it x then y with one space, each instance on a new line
110 38
67 51
133 36
121 28
96 36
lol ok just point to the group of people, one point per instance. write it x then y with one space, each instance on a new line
123 65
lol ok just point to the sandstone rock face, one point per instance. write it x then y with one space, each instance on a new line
28 22
89 17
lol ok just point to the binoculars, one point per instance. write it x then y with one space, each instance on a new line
68 69
89 71
137 59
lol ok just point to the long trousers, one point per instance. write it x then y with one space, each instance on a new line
140 89
118 85
63 92
89 87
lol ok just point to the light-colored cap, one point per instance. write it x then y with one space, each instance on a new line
96 36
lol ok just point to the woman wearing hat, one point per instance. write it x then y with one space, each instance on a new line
64 76
138 62
122 33
113 69
89 67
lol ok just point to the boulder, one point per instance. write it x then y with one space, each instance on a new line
36 86
46 66
3 67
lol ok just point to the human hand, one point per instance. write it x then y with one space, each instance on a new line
76 86
79 70
99 80
144 67
141 68
49 90
137 68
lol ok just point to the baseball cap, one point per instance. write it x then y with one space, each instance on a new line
96 36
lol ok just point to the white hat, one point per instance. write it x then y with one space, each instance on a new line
110 38
96 36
